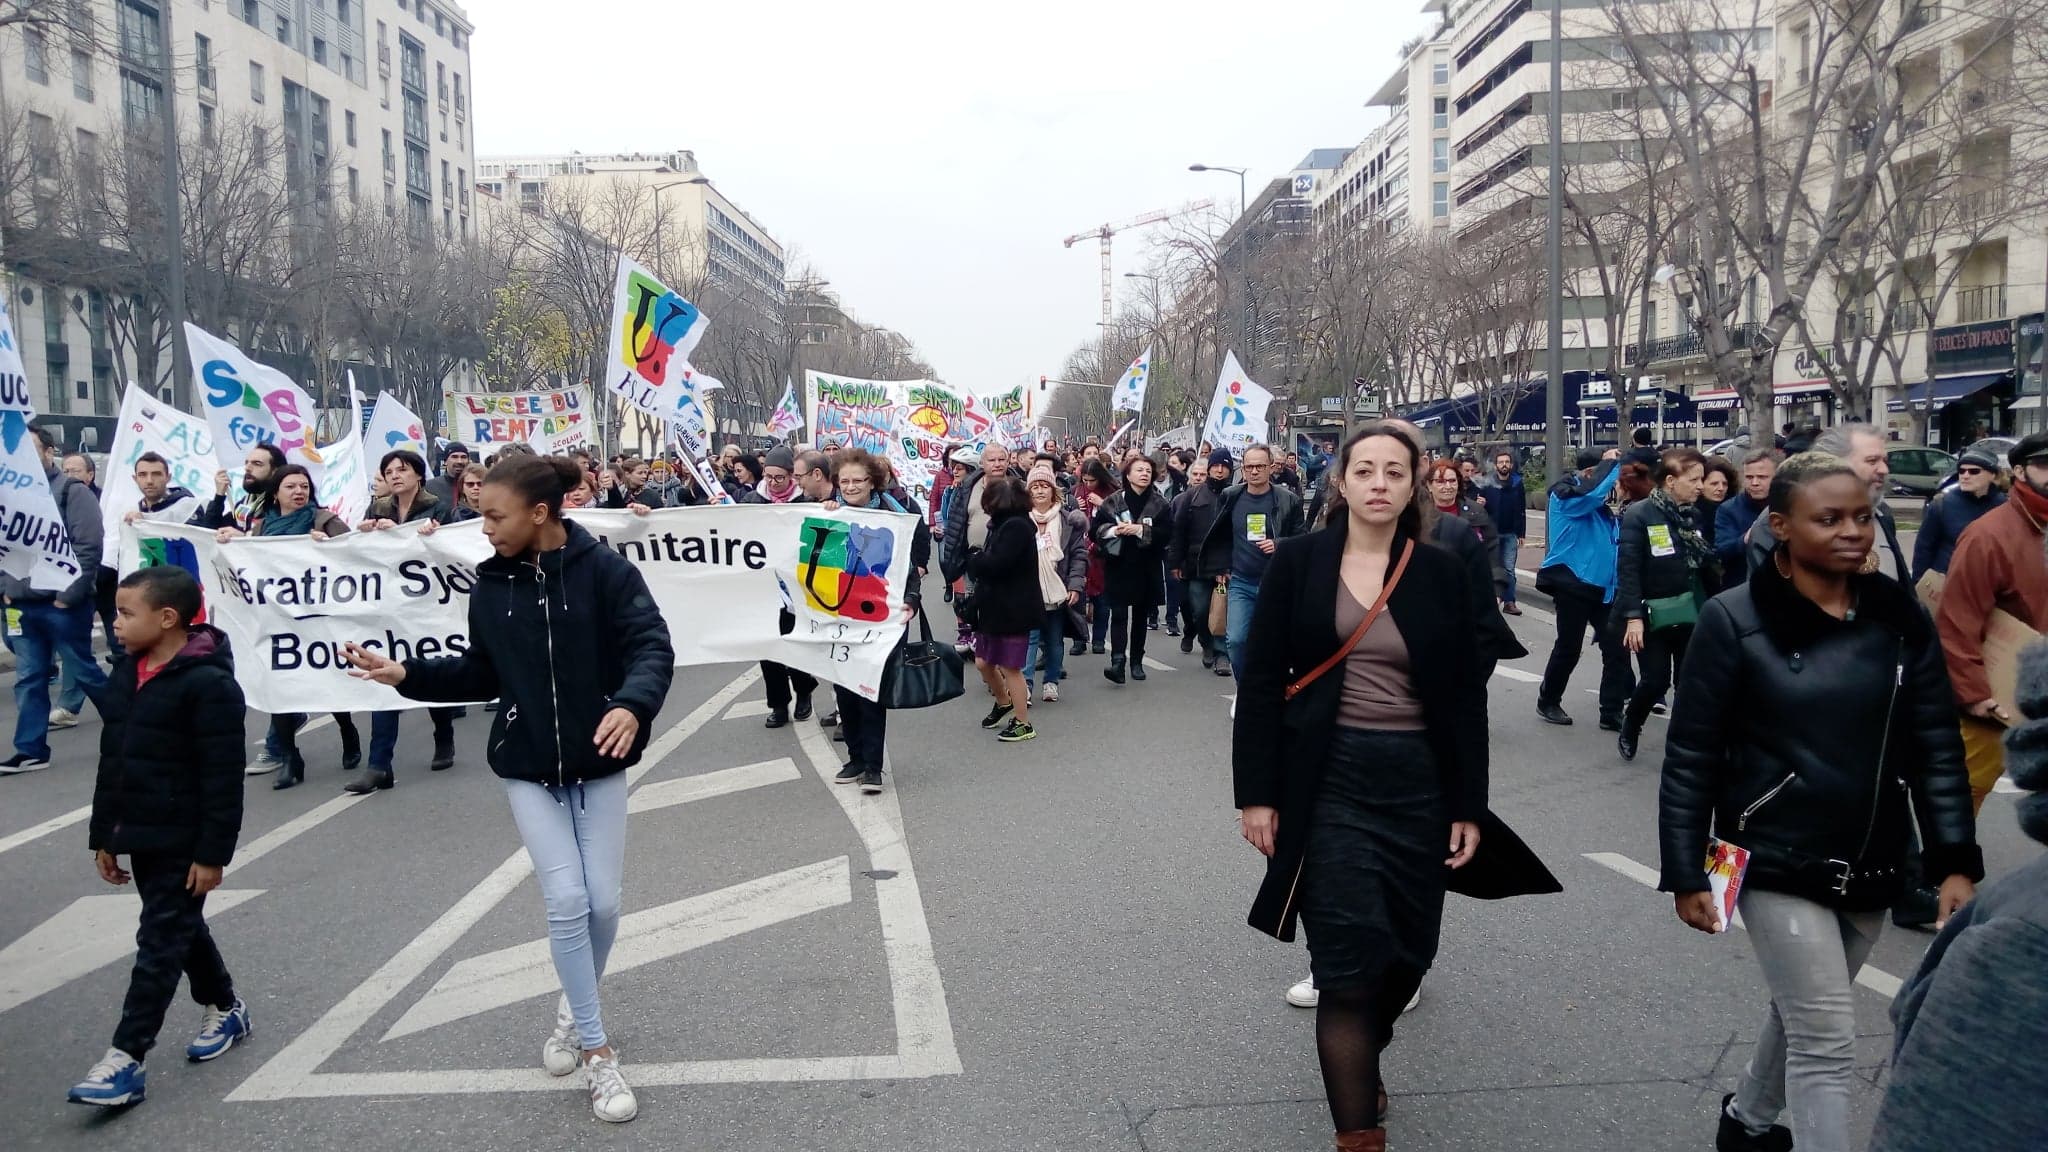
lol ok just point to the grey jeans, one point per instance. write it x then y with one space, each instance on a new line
1805 1057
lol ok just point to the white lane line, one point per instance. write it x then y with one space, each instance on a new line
290 830
89 934
525 971
37 832
1159 665
705 785
1507 673
1876 979
746 708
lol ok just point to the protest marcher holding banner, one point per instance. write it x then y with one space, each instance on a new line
257 484
566 634
405 474
865 720
43 624
296 513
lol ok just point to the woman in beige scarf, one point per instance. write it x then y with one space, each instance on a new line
1062 573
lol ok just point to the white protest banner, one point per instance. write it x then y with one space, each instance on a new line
1237 413
727 580
249 404
185 443
653 332
552 422
393 426
33 542
1005 416
1129 395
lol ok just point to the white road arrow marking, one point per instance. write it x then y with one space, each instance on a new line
93 932
96 931
746 708
1157 665
522 972
704 786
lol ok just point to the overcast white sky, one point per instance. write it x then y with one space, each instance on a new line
929 157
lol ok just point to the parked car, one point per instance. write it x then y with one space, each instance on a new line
1732 448
1999 446
1918 471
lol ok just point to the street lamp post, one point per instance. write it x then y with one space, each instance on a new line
174 224
1243 311
1553 396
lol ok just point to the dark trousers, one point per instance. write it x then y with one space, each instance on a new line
1662 656
780 678
1127 632
282 740
1617 679
867 726
384 735
171 940
1176 602
1099 626
1195 607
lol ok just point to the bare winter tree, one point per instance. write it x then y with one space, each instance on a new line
1779 168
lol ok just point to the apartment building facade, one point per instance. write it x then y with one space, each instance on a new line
1398 177
370 100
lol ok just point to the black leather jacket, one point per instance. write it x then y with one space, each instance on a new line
1799 736
1651 562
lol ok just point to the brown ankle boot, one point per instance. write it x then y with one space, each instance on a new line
1363 1140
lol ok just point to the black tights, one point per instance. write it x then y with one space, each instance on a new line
1349 1040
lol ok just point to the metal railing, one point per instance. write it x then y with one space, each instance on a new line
1982 303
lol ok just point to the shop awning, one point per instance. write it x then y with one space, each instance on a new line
1947 389
2024 403
1715 399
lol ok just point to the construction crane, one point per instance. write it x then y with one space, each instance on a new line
1108 230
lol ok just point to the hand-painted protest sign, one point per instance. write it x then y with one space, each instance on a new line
852 413
723 578
33 543
552 422
1008 415
183 440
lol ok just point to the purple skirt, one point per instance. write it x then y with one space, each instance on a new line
1002 651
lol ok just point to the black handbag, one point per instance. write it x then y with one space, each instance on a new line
921 673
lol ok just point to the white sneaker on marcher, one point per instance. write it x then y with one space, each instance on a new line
1304 994
261 765
63 718
610 1099
1413 1001
1051 695
561 1054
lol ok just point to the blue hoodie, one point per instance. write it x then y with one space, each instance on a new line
1584 535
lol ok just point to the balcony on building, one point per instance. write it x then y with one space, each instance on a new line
1671 351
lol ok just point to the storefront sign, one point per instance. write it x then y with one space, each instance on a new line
1981 347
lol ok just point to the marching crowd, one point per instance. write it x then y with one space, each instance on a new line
1831 701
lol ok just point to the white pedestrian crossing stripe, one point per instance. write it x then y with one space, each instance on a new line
924 1045
747 708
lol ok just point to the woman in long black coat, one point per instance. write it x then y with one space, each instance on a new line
1130 528
1361 764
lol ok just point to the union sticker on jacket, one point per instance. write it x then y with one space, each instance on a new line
1660 541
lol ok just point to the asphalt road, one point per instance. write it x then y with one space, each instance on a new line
1038 946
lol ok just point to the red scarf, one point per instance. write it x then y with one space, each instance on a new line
2034 503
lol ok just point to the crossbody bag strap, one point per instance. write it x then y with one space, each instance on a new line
1380 605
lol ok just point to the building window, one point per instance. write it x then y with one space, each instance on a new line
37 56
252 13
255 82
319 50
206 123
390 161
341 10
1440 114
1440 69
81 75
259 142
42 145
284 28
355 186
1440 199
202 61
1440 155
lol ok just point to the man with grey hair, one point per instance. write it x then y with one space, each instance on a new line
1862 446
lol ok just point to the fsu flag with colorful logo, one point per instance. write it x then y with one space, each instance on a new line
1237 413
1130 390
788 417
654 331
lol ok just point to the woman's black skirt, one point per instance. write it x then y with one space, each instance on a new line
1373 878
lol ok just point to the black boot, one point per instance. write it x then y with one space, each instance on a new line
371 782
803 706
1187 641
1115 672
1610 721
351 749
1078 648
1552 714
1731 1136
1626 742
1137 668
444 752
291 775
777 718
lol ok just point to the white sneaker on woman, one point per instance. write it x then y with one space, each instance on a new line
610 1099
561 1054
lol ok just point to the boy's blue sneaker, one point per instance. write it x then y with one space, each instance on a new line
115 1081
221 1031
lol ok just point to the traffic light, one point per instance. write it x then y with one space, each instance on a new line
1041 383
